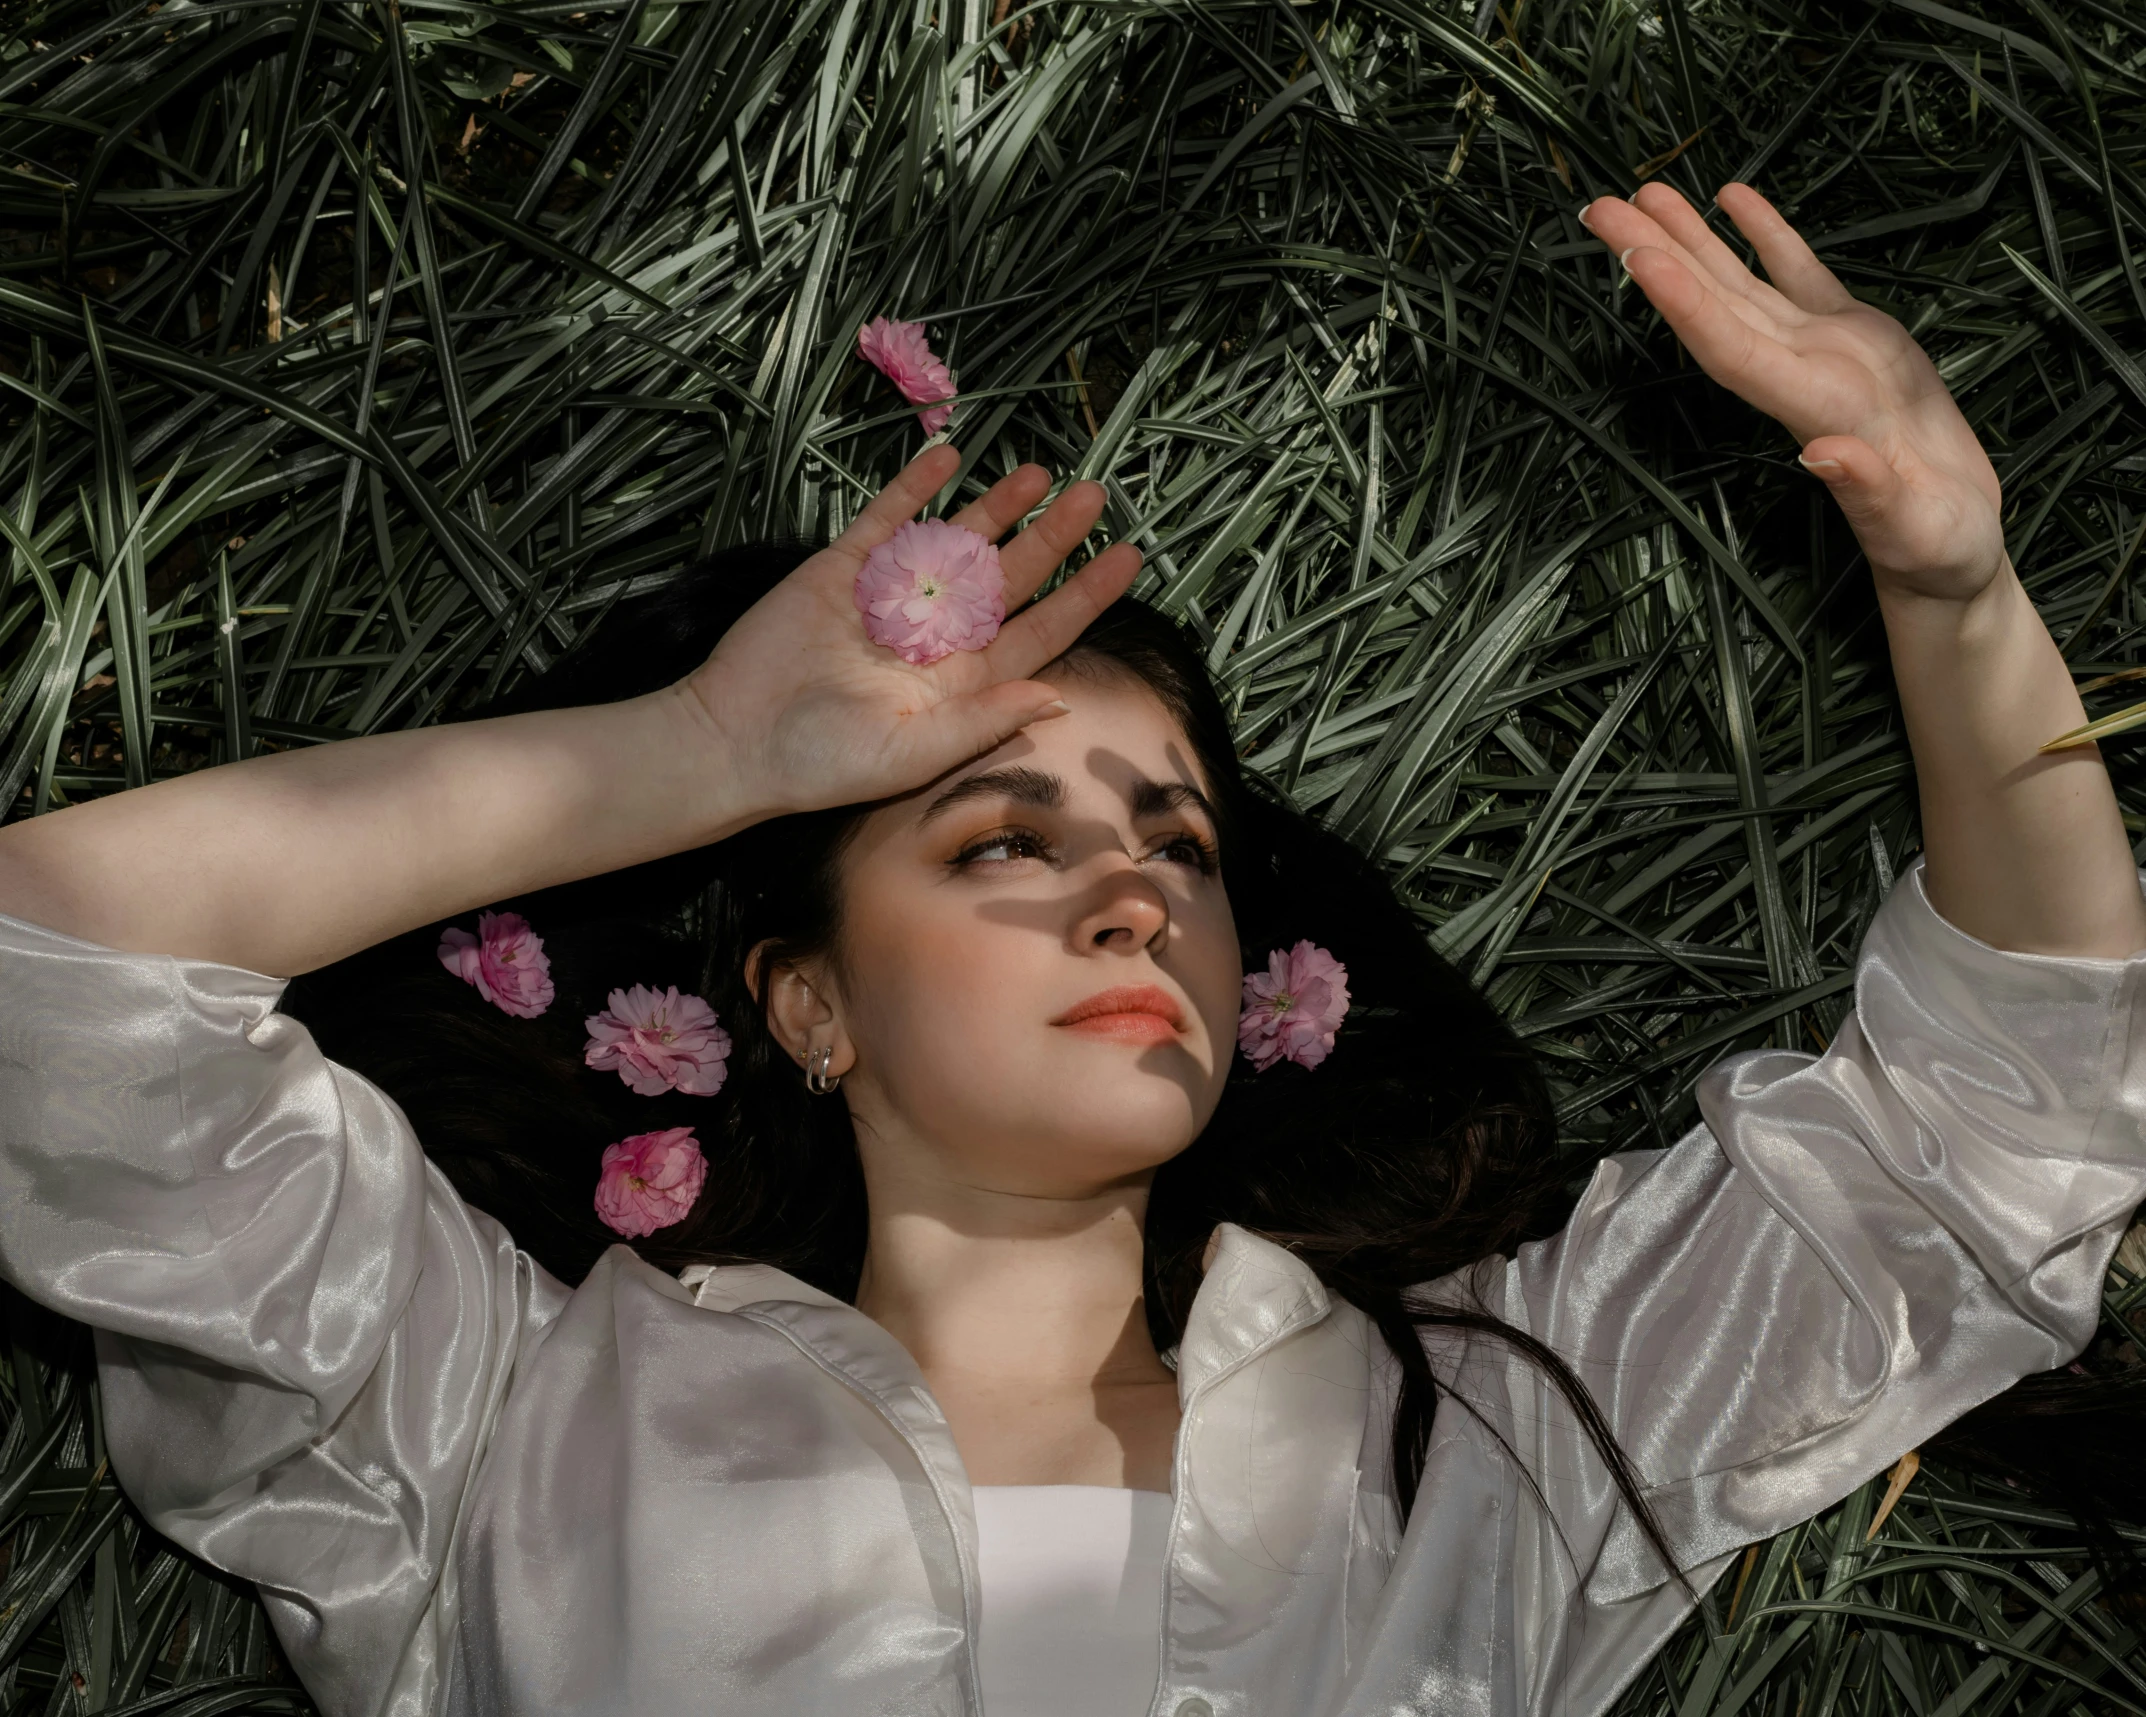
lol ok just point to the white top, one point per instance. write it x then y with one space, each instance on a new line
468 1492
1071 1581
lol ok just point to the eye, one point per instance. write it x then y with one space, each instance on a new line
1188 848
1003 847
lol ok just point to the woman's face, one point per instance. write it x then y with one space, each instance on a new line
1038 977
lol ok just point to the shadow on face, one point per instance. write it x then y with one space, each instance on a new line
1038 978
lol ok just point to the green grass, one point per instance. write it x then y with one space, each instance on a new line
1495 583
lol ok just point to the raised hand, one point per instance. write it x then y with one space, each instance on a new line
284 862
811 713
1874 418
2024 850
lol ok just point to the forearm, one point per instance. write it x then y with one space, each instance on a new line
284 863
2023 850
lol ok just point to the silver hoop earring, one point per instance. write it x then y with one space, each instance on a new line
818 1080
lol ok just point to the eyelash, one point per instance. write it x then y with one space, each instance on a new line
1204 860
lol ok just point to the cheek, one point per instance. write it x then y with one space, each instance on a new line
935 990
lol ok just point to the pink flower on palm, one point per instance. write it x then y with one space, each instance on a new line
1293 1008
650 1181
899 351
659 1041
505 960
931 589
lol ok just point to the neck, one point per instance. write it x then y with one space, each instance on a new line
1027 1288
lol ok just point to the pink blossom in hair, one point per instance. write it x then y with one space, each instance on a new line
650 1181
659 1040
1293 1008
505 961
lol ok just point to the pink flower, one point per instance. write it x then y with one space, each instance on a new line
505 960
650 1181
932 589
899 351
1293 1008
660 1041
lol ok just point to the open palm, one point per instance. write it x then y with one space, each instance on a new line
815 714
1873 416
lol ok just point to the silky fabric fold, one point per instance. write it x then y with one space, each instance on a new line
462 1487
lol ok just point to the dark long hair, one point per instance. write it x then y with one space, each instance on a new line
1388 1167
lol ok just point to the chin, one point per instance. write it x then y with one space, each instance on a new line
1097 1144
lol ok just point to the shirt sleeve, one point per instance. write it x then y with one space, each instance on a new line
303 1335
1851 1252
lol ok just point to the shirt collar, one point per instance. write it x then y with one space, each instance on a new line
1253 1295
726 1287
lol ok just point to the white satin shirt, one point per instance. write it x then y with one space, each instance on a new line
1070 1578
462 1487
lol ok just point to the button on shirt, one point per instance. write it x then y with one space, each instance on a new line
461 1486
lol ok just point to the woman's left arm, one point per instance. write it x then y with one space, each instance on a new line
2023 850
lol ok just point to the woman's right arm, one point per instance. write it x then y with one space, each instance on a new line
283 863
304 1335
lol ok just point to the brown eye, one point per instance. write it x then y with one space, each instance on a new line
1190 849
1003 848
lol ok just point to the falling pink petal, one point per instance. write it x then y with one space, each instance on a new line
899 351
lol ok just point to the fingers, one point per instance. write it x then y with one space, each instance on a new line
1008 501
1790 263
1748 362
1668 222
1036 553
898 503
1036 634
1712 331
1862 480
1625 227
1039 633
992 514
969 726
1666 207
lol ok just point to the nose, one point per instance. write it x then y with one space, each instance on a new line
1123 912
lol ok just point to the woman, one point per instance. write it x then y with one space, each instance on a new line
987 900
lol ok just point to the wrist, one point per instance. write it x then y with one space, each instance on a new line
718 790
1980 673
1962 614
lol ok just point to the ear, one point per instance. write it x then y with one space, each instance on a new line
801 1014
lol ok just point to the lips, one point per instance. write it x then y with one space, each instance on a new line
1133 1013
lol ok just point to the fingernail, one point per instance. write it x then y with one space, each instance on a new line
1623 254
1581 217
1055 707
1829 469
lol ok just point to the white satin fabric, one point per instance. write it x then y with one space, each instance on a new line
462 1487
1071 1579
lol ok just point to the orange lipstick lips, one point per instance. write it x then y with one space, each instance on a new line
1131 1013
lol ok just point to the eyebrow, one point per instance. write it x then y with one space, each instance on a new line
1159 798
1019 785
1046 792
